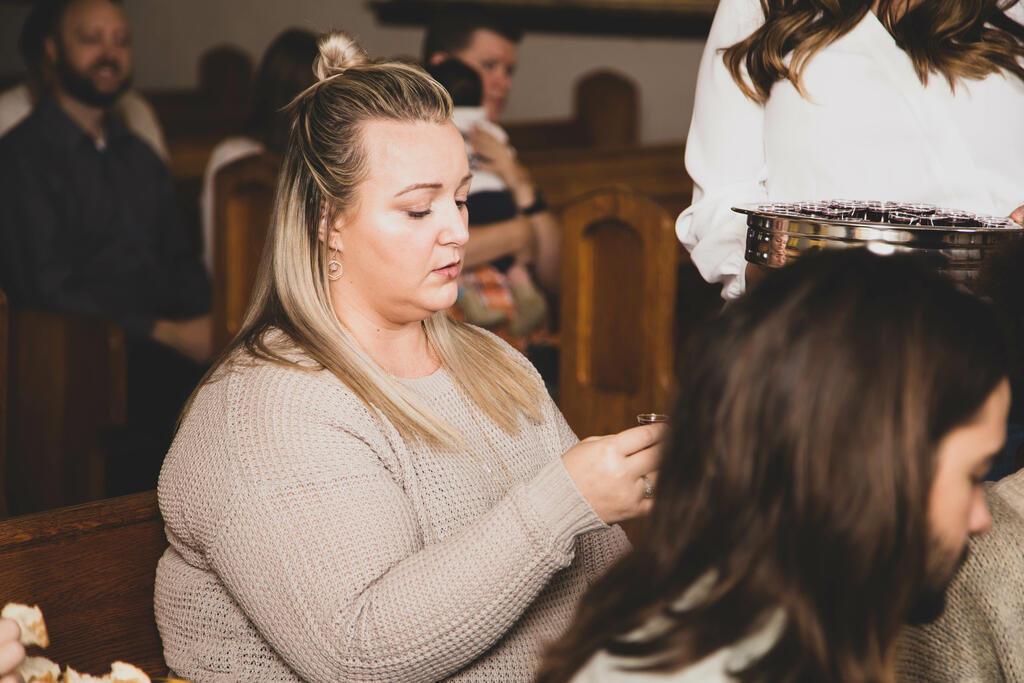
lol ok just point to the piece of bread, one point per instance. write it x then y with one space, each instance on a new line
72 676
38 670
122 672
30 619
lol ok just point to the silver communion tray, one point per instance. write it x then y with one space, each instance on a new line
961 243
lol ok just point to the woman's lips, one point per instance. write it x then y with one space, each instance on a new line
449 271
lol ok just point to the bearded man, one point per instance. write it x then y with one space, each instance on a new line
89 225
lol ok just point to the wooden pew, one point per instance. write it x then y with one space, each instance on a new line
656 171
243 200
217 106
605 114
619 261
5 312
91 569
67 389
196 119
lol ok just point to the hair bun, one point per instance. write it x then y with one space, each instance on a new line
338 52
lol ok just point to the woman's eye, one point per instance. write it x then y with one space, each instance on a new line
461 203
418 214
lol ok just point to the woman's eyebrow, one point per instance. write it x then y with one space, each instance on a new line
420 186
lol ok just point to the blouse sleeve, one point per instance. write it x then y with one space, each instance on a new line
724 155
321 549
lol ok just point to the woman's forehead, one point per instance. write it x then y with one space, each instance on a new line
414 152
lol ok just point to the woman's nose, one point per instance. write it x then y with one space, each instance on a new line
456 228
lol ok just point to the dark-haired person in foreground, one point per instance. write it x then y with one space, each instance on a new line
821 482
980 635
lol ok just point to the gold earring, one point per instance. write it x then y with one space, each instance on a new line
334 267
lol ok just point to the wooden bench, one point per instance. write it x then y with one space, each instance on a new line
655 171
243 201
91 569
605 114
619 258
5 312
67 389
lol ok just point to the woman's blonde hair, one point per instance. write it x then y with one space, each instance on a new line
324 163
957 39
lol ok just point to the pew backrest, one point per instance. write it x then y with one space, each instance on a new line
91 569
243 200
619 259
67 394
5 343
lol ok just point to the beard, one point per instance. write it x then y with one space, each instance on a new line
80 85
930 601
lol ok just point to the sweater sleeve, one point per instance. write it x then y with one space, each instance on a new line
320 547
980 635
724 155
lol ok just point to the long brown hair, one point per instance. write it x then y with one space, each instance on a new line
798 474
959 39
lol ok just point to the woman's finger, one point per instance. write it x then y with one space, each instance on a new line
11 655
1018 214
644 462
9 630
636 439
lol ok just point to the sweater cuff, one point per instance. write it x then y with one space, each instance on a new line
560 506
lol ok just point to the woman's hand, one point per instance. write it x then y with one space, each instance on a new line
11 651
1018 214
609 471
192 337
497 157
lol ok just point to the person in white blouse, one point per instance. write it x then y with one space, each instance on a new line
864 104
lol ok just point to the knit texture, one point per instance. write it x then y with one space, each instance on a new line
308 541
980 635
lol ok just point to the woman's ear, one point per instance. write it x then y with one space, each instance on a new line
330 231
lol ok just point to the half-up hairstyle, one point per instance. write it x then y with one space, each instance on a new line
324 162
798 474
957 39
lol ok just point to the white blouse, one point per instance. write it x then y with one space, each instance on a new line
868 130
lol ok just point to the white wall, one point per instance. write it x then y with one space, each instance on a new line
171 34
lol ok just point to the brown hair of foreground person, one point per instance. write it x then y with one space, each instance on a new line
798 476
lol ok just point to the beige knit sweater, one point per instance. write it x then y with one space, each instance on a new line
980 636
309 542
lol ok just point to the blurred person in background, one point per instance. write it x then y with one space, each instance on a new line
89 225
18 101
488 297
285 70
503 222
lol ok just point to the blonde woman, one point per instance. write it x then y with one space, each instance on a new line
362 489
